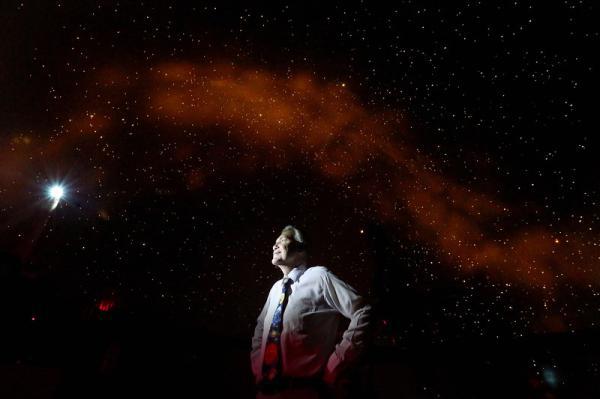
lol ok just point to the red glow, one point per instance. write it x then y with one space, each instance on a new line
106 304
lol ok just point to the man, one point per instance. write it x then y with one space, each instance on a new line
299 345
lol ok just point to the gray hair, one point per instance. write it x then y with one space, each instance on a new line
295 234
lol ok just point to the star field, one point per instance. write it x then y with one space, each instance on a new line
441 159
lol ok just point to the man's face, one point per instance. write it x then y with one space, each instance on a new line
281 257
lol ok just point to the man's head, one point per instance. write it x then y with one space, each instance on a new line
290 248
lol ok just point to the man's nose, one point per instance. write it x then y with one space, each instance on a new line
274 247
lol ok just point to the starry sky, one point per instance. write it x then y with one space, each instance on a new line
440 158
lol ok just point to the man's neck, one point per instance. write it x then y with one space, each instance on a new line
287 269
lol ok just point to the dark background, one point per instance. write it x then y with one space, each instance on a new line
148 277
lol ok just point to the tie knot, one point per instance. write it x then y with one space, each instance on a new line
287 281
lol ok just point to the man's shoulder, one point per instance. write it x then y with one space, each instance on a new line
317 271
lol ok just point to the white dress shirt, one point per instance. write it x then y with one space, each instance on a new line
311 342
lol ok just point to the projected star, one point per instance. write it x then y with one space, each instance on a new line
55 192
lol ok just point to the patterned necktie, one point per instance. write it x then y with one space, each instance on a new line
272 358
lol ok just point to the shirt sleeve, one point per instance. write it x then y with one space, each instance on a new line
255 353
345 300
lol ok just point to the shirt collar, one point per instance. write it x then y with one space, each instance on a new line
297 272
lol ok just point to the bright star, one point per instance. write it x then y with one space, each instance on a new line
55 192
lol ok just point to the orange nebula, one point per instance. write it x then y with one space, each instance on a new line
284 119
326 123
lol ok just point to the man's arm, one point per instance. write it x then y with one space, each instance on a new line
345 300
257 341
